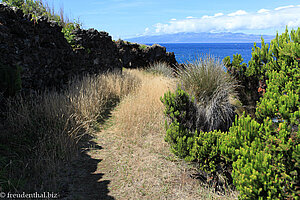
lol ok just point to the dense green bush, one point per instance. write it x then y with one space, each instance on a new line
184 133
263 149
182 115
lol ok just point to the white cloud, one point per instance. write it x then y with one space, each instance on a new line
284 7
237 13
147 30
237 21
218 14
173 19
190 17
263 11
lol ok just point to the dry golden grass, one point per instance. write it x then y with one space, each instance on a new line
135 157
43 130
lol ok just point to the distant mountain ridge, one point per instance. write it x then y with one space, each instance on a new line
225 37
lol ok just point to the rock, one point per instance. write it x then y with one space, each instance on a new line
134 55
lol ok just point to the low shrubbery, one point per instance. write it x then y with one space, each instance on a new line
260 154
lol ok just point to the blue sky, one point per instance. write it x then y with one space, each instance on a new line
130 18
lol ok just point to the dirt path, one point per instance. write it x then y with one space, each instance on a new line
129 159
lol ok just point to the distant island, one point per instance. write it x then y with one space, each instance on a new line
225 37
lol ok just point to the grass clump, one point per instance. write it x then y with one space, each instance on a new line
161 68
40 132
213 89
204 78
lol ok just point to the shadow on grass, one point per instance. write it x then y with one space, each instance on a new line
82 179
75 179
107 111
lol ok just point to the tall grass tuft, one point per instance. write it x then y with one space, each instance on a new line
45 130
161 68
212 87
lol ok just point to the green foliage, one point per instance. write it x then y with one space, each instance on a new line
242 134
38 8
143 46
15 3
265 151
10 79
263 148
248 85
264 162
68 29
180 139
206 150
182 134
181 108
181 112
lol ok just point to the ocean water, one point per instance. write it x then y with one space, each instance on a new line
189 51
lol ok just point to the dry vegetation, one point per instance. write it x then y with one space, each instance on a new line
126 157
42 131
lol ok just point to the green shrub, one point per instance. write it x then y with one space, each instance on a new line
206 150
263 148
185 138
265 151
182 122
143 46
247 89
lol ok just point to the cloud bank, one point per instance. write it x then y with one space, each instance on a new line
236 21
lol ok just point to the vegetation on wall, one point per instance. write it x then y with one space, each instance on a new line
260 151
38 8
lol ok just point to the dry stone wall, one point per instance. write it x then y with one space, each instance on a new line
48 60
134 55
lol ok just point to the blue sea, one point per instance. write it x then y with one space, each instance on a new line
189 51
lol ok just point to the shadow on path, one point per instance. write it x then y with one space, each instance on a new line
81 178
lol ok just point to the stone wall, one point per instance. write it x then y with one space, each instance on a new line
47 59
134 55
